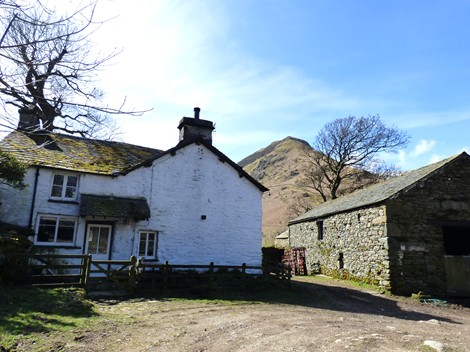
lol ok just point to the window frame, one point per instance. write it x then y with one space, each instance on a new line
155 244
64 187
57 219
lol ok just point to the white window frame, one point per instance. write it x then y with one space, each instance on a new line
63 195
155 244
57 219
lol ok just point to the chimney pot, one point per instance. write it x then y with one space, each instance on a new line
196 113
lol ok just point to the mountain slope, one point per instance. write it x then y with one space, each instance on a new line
278 167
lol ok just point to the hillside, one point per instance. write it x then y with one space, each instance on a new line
278 167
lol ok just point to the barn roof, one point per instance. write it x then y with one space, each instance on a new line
376 193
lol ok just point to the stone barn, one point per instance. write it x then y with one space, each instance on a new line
408 234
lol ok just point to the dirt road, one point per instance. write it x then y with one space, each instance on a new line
325 315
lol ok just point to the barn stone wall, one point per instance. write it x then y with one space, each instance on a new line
398 244
354 245
415 221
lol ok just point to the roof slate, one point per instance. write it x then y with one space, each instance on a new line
114 207
94 156
376 193
76 154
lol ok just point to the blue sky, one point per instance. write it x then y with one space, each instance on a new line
263 70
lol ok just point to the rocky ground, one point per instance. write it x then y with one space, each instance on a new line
317 315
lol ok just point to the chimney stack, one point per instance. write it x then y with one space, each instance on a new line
29 120
194 128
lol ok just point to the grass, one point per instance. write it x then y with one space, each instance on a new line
33 313
41 318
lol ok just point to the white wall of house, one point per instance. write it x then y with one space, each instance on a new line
201 208
194 184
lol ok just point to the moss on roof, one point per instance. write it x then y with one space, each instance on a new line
376 193
114 207
75 153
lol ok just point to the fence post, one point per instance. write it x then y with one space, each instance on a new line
165 276
132 277
83 271
87 270
211 275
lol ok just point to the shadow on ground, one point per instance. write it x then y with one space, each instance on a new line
315 294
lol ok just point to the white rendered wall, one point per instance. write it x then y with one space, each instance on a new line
193 183
179 190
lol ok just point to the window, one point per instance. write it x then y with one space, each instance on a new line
98 238
56 230
64 187
457 239
320 230
148 243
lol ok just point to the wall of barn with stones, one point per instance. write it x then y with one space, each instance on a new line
360 236
415 219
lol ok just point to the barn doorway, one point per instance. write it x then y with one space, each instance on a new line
457 258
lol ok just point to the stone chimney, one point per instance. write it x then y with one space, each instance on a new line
193 128
29 120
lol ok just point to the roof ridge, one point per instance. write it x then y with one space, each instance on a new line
377 192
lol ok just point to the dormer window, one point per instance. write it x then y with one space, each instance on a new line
64 187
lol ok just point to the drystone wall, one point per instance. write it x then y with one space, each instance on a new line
415 226
354 245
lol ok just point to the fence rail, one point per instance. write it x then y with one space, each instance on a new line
81 270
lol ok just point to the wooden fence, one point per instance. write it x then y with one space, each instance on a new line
55 270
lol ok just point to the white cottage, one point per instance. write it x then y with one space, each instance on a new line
190 204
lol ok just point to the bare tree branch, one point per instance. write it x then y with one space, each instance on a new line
346 155
47 66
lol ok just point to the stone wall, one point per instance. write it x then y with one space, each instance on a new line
354 245
415 221
398 244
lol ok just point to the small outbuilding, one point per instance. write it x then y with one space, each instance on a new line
407 234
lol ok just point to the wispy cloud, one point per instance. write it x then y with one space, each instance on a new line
423 147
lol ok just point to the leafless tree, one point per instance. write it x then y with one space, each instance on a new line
47 67
345 155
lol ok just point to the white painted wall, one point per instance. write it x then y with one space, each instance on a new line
179 190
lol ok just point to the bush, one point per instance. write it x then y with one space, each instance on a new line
13 266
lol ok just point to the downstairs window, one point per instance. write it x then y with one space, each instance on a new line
148 244
56 229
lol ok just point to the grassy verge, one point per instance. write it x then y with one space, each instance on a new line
28 313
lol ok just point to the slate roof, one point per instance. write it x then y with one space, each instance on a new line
376 193
66 152
114 207
76 154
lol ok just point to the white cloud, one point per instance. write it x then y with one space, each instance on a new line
435 158
180 54
424 146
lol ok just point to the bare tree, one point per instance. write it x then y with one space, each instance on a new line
47 67
345 155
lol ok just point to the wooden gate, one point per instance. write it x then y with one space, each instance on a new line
458 275
295 258
111 275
